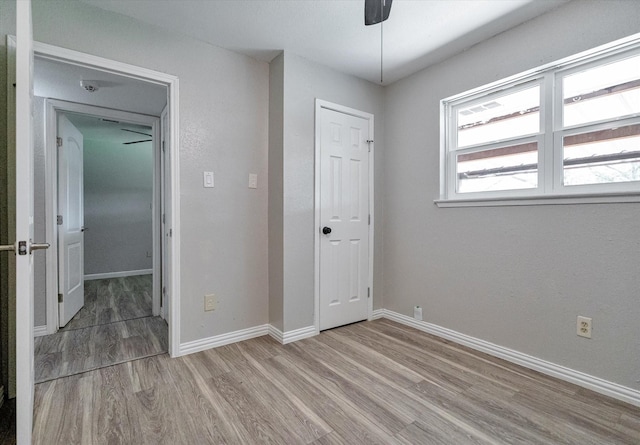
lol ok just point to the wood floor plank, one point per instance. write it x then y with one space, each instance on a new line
336 378
63 411
339 413
286 413
111 418
226 420
372 383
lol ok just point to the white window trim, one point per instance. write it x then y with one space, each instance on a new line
549 159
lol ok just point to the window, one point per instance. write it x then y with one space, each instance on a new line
570 128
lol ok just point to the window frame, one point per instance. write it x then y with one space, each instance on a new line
549 138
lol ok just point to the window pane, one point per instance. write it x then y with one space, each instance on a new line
605 92
505 117
601 157
506 168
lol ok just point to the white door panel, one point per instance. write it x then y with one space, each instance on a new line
71 231
24 222
344 201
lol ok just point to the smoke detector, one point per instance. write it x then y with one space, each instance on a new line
90 85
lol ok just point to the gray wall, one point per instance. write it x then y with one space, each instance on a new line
118 192
223 128
304 81
514 276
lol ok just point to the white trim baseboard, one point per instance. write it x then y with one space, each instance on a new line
291 336
39 331
378 313
593 383
223 339
276 334
124 273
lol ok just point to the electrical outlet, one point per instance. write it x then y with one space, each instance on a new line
209 302
417 313
584 327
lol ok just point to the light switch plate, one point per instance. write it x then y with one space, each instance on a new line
253 181
208 179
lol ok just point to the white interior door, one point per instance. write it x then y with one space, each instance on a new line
24 223
344 218
165 167
70 229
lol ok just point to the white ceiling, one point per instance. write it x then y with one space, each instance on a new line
58 80
332 32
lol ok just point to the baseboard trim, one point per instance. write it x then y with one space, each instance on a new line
125 273
378 313
593 383
291 336
276 334
39 331
223 339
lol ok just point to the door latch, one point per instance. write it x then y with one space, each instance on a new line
22 247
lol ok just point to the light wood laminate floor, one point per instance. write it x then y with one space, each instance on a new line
71 352
115 325
113 299
369 383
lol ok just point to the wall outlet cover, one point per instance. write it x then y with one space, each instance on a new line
209 302
583 327
417 313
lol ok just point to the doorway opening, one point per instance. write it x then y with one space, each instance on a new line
129 271
104 273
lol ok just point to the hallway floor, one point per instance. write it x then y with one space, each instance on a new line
114 326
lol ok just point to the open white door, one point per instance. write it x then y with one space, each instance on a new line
70 220
24 223
165 174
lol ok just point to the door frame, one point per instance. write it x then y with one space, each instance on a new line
53 108
58 54
323 104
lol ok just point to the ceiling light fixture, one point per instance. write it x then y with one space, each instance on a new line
377 11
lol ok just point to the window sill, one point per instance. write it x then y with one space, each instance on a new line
612 198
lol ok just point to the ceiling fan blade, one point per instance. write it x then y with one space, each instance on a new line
138 132
137 142
376 11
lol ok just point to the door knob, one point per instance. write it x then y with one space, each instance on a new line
326 230
38 246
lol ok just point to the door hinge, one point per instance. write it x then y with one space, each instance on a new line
58 141
59 220
369 219
164 219
164 290
60 298
368 292
369 142
170 233
162 146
